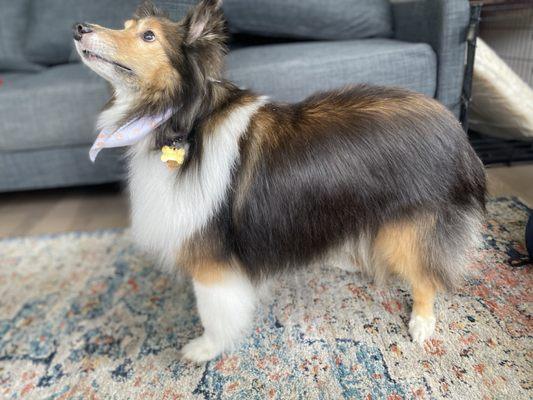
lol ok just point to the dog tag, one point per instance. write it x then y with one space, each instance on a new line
173 156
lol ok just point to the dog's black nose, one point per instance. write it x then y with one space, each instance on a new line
80 29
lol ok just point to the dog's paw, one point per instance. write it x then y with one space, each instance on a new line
200 350
421 328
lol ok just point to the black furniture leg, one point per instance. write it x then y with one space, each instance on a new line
471 38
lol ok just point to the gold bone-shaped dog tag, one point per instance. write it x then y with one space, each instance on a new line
172 156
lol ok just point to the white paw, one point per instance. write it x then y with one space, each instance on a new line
421 328
200 350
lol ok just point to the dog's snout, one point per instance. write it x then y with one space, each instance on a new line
79 29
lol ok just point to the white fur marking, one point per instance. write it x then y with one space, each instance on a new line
200 350
421 328
167 209
226 310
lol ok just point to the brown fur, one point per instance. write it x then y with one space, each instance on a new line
207 272
397 248
204 259
277 124
156 74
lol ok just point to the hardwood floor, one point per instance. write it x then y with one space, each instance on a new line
62 210
512 181
102 207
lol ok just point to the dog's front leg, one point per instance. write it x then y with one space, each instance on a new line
226 306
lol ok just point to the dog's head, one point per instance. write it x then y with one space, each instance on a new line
154 55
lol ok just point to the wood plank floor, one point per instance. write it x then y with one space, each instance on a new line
62 210
93 208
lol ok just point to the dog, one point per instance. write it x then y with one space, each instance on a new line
383 177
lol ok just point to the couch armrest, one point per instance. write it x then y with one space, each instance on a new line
443 25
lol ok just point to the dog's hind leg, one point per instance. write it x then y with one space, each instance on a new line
422 322
398 249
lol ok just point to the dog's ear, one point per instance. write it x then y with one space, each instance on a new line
148 9
205 22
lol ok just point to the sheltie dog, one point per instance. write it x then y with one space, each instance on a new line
383 177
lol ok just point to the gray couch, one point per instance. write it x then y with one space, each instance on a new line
49 100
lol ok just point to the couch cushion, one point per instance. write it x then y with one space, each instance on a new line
13 26
291 72
176 9
314 19
49 38
59 167
53 108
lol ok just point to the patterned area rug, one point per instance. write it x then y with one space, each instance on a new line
85 316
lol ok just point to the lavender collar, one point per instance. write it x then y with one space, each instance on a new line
128 134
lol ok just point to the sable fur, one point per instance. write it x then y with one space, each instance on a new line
342 164
383 176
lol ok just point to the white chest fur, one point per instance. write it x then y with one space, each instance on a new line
167 208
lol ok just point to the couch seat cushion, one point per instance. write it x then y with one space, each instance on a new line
312 19
291 72
53 108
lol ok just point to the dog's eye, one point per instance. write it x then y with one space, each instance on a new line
148 36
